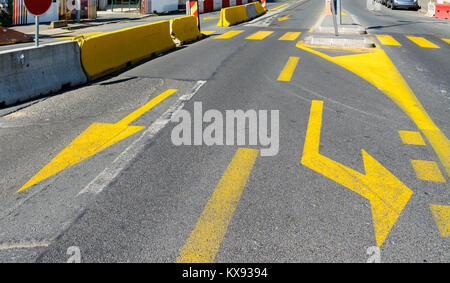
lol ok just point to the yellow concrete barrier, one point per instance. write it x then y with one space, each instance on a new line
185 29
233 15
238 14
105 53
259 8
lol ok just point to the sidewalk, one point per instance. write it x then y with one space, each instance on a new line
350 33
103 18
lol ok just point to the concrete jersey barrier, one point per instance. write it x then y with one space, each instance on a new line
238 14
185 29
106 53
30 72
206 6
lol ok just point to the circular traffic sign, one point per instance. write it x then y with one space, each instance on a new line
37 7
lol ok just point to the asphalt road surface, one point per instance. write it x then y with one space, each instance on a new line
351 167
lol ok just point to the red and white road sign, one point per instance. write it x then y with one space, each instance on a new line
194 8
37 7
264 4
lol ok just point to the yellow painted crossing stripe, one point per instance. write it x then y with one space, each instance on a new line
290 36
260 35
211 18
427 170
288 70
204 241
410 137
422 42
230 34
388 40
446 40
208 32
441 214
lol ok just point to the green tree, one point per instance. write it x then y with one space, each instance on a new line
6 8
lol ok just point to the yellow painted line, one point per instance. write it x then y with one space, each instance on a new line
94 139
230 34
204 241
374 66
288 70
211 18
260 35
276 8
317 21
79 35
208 32
427 170
62 34
290 36
388 40
441 214
422 42
410 137
446 40
387 194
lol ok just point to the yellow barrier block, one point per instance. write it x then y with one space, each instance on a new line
233 15
108 52
259 8
185 28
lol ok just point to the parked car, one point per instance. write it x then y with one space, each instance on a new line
408 4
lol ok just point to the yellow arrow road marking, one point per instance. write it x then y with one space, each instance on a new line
375 66
387 195
204 241
287 17
94 139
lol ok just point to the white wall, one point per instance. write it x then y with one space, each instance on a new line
163 5
52 14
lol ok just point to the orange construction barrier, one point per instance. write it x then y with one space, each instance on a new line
442 11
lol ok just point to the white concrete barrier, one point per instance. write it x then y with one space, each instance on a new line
34 71
431 9
251 11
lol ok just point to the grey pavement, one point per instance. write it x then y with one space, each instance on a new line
287 212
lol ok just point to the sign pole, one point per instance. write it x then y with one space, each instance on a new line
36 31
37 8
78 9
198 15
339 11
333 11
